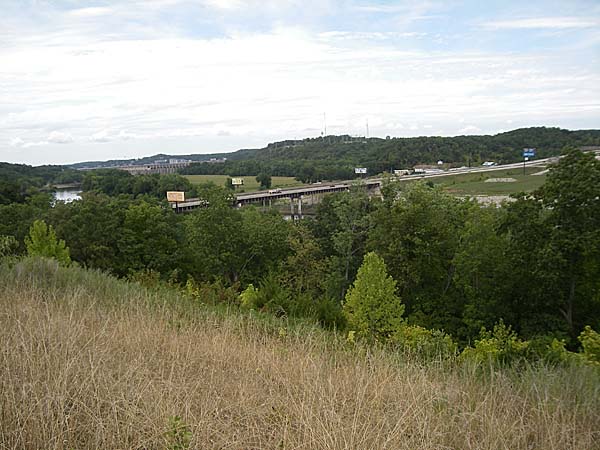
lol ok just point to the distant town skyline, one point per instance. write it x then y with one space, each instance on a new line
106 79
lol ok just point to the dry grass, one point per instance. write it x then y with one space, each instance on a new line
90 362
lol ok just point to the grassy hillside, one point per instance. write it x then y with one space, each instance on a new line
250 183
90 362
476 184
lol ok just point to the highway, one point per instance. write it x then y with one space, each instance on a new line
373 182
340 186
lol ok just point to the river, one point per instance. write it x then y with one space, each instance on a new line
67 195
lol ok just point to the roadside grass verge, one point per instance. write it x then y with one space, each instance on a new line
474 183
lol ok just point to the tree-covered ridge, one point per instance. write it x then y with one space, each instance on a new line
115 182
335 157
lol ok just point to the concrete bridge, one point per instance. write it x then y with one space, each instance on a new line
295 196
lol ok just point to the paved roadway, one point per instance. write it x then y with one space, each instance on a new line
375 182
323 188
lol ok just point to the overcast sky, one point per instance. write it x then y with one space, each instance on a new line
88 80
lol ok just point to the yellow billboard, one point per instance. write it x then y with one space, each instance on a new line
175 196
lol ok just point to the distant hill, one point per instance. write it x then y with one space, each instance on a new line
335 157
148 160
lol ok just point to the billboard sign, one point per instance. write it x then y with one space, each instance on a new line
360 170
237 181
175 196
528 152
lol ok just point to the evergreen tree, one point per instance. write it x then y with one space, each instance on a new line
372 307
42 241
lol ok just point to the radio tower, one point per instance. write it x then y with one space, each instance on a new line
367 128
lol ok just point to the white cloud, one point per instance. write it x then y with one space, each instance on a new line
17 142
35 144
100 136
272 85
396 7
543 22
20 143
58 137
157 89
90 12
371 35
225 4
470 129
124 135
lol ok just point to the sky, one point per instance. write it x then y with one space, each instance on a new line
96 80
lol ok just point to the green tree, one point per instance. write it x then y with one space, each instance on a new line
554 251
172 182
483 270
17 218
530 302
302 271
264 179
216 243
42 241
571 198
94 226
417 233
372 307
341 227
150 239
266 242
352 212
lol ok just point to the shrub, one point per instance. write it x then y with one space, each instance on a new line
423 342
8 245
501 346
146 277
549 349
590 341
270 296
212 293
249 298
329 313
178 436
